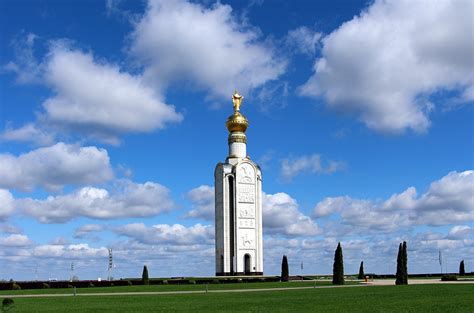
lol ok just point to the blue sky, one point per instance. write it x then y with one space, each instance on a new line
112 119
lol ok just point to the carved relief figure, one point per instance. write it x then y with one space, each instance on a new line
246 212
246 175
246 242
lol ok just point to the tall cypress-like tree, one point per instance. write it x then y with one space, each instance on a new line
284 269
399 275
338 267
145 279
361 271
462 271
405 262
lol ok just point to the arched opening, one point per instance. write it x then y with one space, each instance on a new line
247 264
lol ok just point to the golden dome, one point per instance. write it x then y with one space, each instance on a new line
237 123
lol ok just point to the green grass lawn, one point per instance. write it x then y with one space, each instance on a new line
140 288
414 298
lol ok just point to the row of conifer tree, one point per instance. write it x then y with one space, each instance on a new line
338 267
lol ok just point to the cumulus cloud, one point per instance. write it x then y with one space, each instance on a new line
55 166
282 216
314 163
460 232
90 96
7 203
97 97
449 200
15 240
303 40
205 46
85 230
73 251
127 199
202 199
385 63
175 234
28 133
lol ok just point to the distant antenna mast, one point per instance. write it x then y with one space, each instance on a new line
440 261
110 264
72 271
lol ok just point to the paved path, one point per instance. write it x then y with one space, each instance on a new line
138 293
388 282
384 282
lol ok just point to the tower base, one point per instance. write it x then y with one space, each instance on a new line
240 274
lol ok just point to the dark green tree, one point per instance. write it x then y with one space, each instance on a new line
399 275
7 304
338 267
405 262
402 269
462 271
284 269
361 270
145 278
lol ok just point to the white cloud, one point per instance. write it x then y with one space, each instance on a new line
28 133
385 63
76 251
308 163
9 228
15 240
281 216
303 40
26 67
128 199
204 46
84 230
202 199
452 195
98 98
175 234
55 166
449 200
7 203
460 232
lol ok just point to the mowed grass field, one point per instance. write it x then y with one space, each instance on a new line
159 288
411 298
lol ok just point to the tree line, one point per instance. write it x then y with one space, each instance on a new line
338 267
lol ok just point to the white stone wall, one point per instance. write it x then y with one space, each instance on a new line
238 150
247 226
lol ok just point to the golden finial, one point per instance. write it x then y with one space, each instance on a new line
237 100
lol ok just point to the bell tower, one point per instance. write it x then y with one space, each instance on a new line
238 201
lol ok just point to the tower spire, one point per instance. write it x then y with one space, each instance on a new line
237 125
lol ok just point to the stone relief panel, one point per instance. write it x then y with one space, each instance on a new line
246 210
246 194
247 223
246 174
246 239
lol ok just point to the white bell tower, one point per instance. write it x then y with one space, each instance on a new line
238 195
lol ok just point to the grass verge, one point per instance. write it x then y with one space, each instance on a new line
411 298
